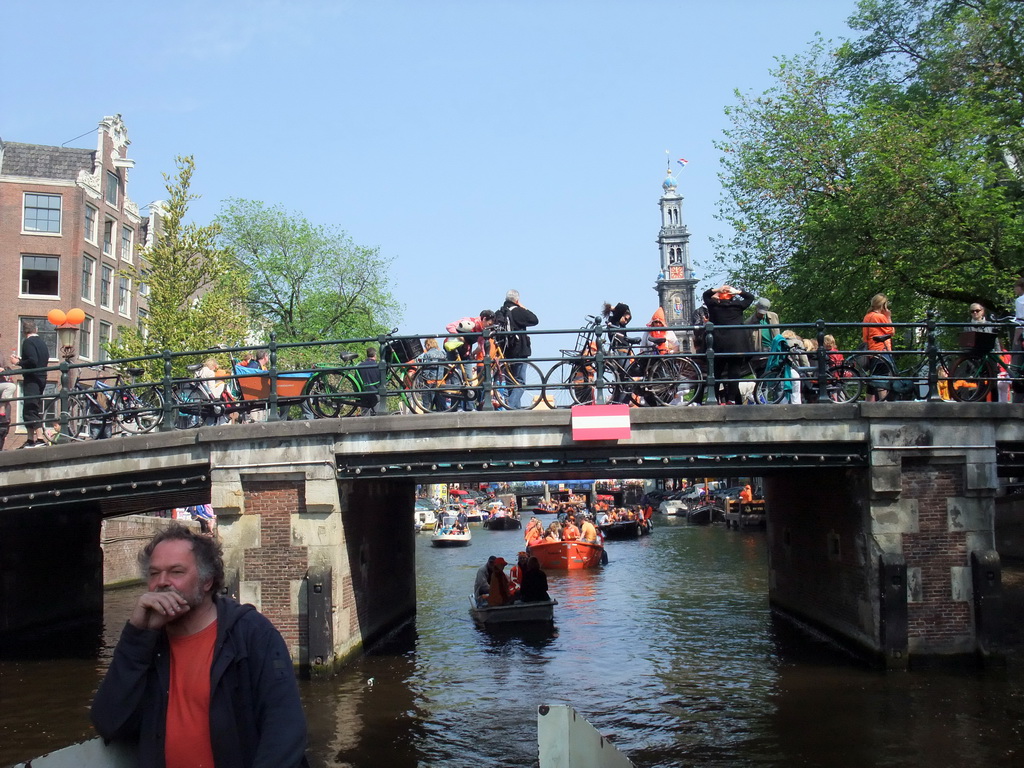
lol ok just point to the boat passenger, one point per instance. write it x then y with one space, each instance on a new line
483 578
500 592
534 531
535 583
588 532
515 573
554 532
569 531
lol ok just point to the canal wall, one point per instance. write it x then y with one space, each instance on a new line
121 539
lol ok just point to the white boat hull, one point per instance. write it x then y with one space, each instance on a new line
542 611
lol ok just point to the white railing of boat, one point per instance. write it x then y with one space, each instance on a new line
566 740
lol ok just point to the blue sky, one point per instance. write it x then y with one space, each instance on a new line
482 144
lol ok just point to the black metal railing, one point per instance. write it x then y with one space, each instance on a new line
85 403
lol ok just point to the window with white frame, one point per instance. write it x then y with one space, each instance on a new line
92 216
113 183
108 237
142 315
124 287
85 339
47 332
40 275
88 278
143 285
126 243
106 286
106 332
42 213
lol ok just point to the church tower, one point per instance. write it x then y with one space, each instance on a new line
676 281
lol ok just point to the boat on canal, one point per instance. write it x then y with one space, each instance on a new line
449 533
502 520
535 612
625 529
566 555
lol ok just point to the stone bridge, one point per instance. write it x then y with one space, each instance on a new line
880 515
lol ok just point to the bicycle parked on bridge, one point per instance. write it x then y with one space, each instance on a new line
337 392
459 384
109 404
974 375
650 379
788 371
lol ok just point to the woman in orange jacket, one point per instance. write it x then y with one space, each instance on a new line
879 338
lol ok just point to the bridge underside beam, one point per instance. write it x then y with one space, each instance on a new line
605 460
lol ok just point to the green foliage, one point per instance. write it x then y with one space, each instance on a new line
889 164
196 291
307 282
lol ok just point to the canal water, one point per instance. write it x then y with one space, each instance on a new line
670 650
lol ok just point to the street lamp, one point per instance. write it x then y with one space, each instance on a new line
67 330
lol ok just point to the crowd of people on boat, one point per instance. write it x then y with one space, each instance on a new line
566 530
525 582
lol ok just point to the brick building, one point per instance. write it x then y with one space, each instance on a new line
67 228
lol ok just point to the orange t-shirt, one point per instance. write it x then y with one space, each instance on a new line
187 743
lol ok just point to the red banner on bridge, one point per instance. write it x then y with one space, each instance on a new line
600 422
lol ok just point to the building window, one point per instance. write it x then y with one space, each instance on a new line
143 285
675 256
108 237
126 243
106 286
85 339
106 330
112 188
124 295
47 332
88 278
142 315
42 213
91 217
39 275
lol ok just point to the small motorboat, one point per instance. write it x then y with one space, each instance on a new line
622 529
500 519
702 515
567 555
541 611
449 533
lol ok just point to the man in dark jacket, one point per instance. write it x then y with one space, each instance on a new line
732 344
517 346
34 354
198 679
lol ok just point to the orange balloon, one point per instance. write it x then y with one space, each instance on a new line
56 317
75 316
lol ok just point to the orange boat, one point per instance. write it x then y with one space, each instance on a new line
566 555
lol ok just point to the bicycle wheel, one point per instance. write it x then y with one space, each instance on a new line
518 386
843 384
574 382
438 387
971 379
188 405
86 419
773 388
332 395
139 409
669 379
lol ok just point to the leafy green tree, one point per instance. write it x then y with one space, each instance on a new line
197 292
307 282
889 164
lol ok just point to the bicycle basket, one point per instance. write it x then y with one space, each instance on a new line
586 344
402 350
977 341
